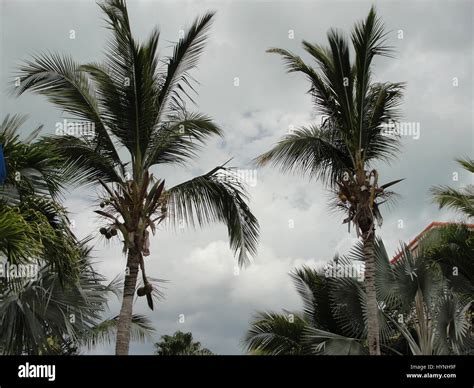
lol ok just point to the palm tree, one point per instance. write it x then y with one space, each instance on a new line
459 200
46 316
56 308
33 224
356 113
436 313
137 107
180 344
451 249
334 318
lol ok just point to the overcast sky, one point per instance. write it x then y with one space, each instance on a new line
434 57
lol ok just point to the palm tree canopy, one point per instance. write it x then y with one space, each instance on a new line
33 224
57 306
451 248
355 110
358 116
44 316
32 165
137 102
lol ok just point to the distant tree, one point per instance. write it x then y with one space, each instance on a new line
180 344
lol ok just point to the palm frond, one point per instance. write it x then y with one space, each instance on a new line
32 167
314 287
180 138
217 196
459 200
275 334
450 248
322 342
467 163
61 80
314 151
453 324
39 314
323 95
105 331
84 163
185 57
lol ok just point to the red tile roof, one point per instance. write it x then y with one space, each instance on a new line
413 243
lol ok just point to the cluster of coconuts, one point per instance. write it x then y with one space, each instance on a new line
108 233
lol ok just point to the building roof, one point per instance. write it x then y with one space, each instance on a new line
414 243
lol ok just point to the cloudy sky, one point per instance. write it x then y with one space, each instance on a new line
434 56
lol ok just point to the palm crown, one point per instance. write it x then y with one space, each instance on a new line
356 113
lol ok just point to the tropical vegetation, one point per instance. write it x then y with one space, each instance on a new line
51 299
460 200
424 310
131 117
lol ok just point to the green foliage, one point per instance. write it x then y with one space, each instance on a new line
180 344
276 334
137 102
355 109
45 316
421 304
34 227
59 307
460 200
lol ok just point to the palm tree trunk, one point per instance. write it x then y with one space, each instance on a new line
125 318
373 332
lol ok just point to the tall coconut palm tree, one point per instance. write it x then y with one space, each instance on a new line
353 135
180 344
459 200
137 106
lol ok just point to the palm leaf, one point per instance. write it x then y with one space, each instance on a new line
217 196
275 334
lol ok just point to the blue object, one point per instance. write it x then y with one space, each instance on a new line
3 168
